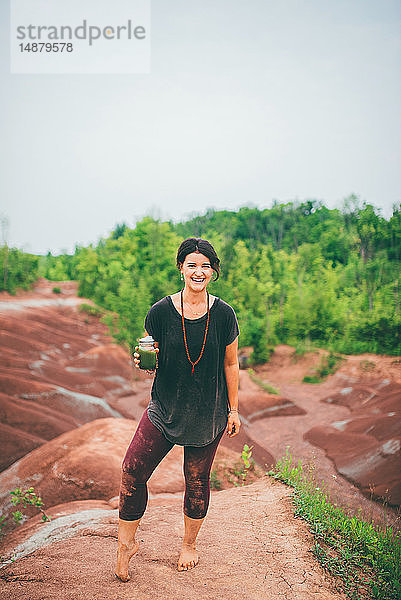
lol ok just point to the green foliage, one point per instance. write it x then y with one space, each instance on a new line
247 464
377 333
25 498
296 271
18 269
89 309
59 268
328 365
246 456
302 347
365 558
56 290
128 272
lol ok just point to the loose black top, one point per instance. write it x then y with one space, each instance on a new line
190 410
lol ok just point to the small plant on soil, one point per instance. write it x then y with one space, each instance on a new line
364 558
56 290
26 498
246 459
247 464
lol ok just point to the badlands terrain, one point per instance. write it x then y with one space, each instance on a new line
69 405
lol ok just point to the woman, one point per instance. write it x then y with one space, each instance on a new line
194 399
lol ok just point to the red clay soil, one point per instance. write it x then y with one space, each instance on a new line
366 447
258 404
250 546
352 418
58 368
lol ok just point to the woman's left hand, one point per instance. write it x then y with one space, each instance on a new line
234 424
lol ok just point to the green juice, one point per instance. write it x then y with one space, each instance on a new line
147 359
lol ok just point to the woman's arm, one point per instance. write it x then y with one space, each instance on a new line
231 370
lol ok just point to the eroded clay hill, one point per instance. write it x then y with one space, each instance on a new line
58 367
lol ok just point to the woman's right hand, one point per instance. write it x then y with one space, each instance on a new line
137 358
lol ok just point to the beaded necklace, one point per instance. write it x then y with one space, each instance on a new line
184 334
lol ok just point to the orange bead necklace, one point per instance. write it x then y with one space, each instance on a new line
184 334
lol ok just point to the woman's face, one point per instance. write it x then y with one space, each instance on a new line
197 271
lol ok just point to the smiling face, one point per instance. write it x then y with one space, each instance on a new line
197 271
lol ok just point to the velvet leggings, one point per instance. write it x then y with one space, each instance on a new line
146 450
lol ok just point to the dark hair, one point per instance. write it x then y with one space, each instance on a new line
203 247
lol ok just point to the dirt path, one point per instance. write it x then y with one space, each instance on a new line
251 547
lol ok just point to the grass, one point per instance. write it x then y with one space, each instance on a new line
263 384
328 365
364 558
89 309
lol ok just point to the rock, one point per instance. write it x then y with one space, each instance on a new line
366 447
258 404
66 520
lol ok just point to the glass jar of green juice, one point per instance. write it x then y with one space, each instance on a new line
147 353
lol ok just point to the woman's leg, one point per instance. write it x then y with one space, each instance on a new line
147 448
197 464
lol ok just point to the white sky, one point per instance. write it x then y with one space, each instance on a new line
246 102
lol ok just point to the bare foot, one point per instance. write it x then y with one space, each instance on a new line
189 558
124 555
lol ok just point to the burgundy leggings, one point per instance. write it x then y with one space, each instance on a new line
147 448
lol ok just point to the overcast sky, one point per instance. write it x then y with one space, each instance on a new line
246 102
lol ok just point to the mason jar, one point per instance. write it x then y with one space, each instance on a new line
147 353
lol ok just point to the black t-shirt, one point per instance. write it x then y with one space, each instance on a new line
190 410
